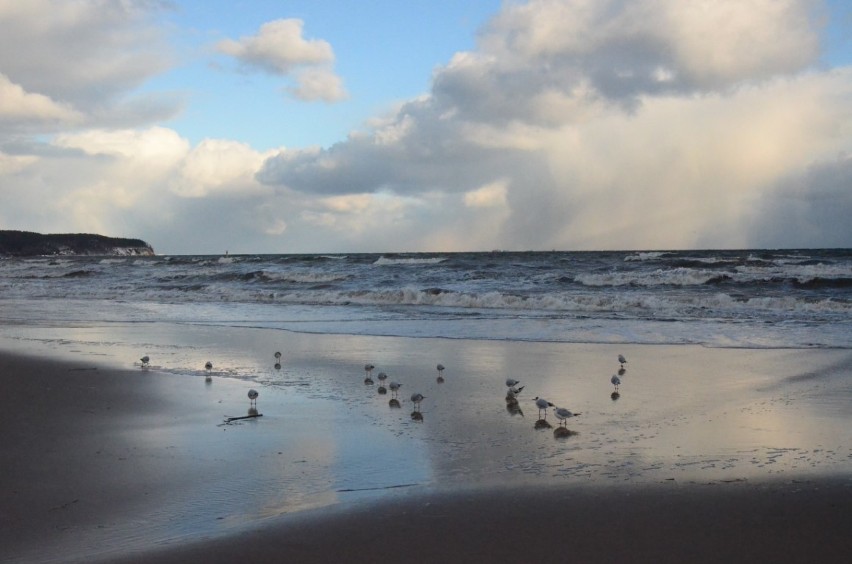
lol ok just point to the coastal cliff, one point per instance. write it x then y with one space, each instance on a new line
26 243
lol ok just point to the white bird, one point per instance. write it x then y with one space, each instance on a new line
511 382
368 368
277 355
382 377
416 399
622 360
563 414
542 405
145 360
208 366
394 387
252 394
440 368
616 381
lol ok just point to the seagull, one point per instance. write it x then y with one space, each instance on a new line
368 368
394 387
382 377
563 414
542 405
208 366
252 394
145 360
622 360
440 373
277 355
511 382
616 381
417 398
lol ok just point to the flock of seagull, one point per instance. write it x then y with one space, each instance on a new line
512 404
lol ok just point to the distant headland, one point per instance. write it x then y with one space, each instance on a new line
27 244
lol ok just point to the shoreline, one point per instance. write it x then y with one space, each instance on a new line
125 465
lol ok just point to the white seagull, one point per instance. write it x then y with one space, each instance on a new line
542 405
382 377
208 366
277 355
252 394
563 414
394 387
416 399
622 360
145 360
616 381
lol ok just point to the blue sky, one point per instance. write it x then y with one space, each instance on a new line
384 50
336 126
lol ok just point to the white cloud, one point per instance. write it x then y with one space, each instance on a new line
218 165
489 196
77 62
612 125
318 84
280 48
17 105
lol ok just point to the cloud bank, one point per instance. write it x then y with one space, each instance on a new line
574 124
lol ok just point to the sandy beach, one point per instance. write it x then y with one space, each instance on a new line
707 455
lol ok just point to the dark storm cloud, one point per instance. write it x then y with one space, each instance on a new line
813 209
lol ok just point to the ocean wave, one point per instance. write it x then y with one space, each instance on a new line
385 261
649 255
660 277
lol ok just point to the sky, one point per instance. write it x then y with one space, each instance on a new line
435 126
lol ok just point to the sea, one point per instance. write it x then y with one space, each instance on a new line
734 298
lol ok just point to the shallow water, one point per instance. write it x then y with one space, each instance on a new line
683 414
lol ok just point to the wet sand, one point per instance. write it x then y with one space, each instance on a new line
132 465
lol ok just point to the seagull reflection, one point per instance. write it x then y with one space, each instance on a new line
622 371
614 396
514 408
252 412
416 416
542 424
394 403
277 366
382 390
563 433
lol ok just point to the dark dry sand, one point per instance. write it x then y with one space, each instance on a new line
69 465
